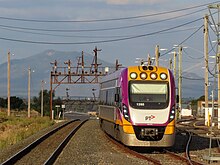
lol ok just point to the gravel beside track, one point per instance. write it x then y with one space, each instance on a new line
13 149
90 146
42 152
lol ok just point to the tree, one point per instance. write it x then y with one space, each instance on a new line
46 104
201 98
3 103
16 103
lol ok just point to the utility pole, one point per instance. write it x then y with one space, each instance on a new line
174 64
157 55
180 80
117 65
217 28
29 92
171 64
206 70
9 84
51 97
42 98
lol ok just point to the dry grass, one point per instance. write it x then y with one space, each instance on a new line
18 127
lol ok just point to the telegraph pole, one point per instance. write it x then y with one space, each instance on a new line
117 65
206 70
157 55
180 80
174 64
29 92
9 84
42 98
217 27
171 63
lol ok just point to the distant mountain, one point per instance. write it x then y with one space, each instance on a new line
41 68
193 85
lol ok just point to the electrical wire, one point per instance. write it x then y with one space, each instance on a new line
98 29
198 58
210 41
103 41
108 19
87 36
182 41
189 78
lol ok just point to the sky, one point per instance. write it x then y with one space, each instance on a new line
123 29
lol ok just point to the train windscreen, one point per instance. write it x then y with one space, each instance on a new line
148 95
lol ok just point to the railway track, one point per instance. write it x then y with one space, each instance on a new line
160 156
48 147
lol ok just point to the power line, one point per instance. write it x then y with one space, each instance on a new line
183 40
99 29
88 36
197 58
189 78
103 41
108 19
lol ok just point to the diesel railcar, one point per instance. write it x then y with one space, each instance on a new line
137 106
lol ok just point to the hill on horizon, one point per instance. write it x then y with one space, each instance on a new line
40 64
41 67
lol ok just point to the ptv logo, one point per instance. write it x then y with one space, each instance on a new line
151 117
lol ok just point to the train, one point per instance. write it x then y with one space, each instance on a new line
137 106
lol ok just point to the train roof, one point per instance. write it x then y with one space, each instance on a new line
112 76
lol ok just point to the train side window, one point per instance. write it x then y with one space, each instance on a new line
116 97
177 98
117 94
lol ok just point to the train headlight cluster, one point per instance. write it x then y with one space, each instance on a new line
172 113
126 112
144 76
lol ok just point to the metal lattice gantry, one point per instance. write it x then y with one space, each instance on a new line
79 74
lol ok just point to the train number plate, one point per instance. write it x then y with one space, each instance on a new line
149 131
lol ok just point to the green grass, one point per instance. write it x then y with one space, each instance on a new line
18 127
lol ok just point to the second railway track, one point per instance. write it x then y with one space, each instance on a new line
47 148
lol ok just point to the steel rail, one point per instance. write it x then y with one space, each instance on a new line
62 145
134 153
187 148
13 159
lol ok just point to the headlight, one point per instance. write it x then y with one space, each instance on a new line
163 76
143 76
153 76
133 75
172 114
126 112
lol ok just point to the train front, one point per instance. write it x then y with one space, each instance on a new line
149 108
